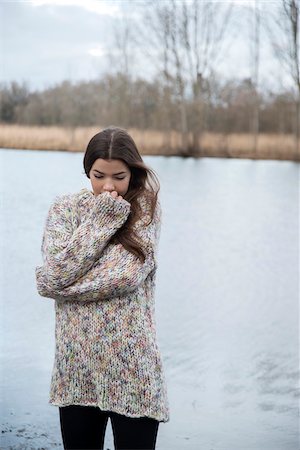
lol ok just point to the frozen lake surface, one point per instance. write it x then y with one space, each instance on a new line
227 306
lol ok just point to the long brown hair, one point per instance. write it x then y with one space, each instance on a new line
115 143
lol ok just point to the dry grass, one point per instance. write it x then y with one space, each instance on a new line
149 142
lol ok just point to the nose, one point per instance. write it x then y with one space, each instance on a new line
108 186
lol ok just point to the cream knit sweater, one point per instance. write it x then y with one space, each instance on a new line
106 352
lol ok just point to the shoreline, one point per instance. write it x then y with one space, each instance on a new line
150 142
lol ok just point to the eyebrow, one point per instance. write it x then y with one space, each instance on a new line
119 173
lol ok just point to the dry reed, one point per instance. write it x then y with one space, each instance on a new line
150 142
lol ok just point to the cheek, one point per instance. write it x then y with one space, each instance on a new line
96 184
126 184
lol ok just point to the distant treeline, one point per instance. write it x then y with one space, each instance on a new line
124 101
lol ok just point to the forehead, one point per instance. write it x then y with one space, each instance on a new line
110 166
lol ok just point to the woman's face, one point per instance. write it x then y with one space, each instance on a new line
109 175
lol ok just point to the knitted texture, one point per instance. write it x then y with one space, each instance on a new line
106 351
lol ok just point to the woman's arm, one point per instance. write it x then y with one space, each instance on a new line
117 273
69 254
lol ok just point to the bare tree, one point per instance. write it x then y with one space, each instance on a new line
284 32
255 61
204 42
188 38
159 37
121 61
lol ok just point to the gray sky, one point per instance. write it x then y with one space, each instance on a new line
46 41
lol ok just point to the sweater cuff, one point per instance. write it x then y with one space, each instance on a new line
110 204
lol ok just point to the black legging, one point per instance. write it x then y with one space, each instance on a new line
83 427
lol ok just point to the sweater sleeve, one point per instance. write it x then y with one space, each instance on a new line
118 272
68 254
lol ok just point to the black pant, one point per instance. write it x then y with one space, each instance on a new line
83 427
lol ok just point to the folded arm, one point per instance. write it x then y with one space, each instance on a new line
118 271
69 254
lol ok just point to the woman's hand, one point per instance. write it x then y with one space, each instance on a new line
115 195
112 193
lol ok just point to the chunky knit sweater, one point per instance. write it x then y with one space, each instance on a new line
106 352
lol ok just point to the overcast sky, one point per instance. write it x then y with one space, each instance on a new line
46 41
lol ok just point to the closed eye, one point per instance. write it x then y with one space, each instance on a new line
117 178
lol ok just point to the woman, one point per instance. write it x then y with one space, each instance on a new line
99 252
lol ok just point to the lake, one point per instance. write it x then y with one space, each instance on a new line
227 300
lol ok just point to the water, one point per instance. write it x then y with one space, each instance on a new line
227 306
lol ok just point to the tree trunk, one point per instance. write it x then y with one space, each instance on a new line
183 123
197 125
297 129
255 123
